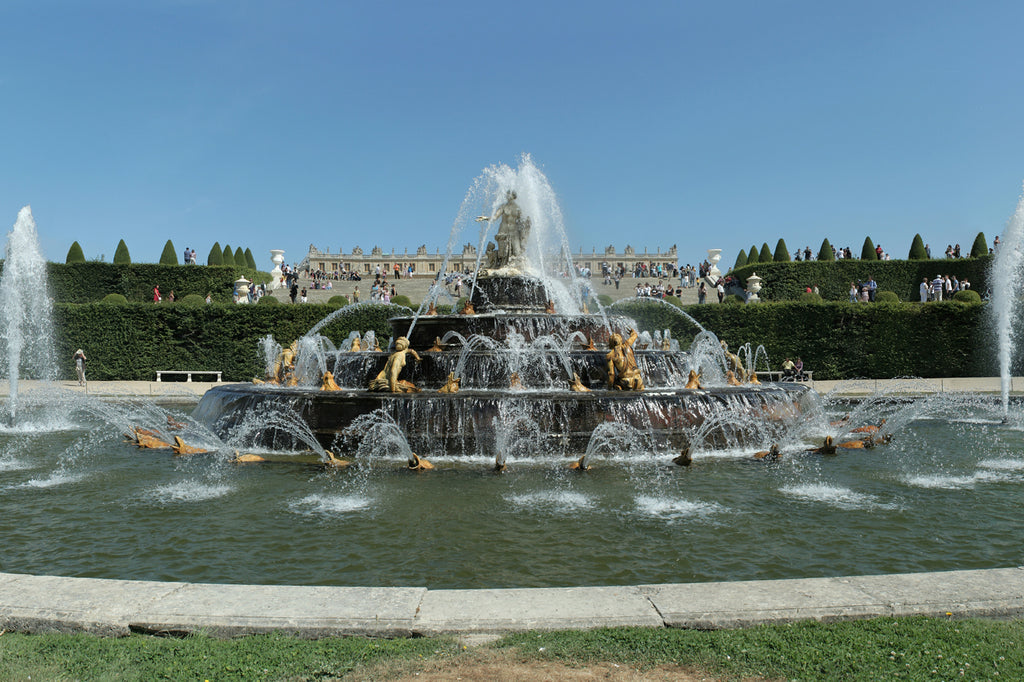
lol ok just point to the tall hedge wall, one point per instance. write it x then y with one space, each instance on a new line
836 340
786 281
133 342
86 282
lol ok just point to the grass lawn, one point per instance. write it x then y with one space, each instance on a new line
878 649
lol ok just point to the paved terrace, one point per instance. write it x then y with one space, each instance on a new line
116 607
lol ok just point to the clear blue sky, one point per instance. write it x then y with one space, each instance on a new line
277 124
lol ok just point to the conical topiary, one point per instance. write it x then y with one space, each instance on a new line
781 252
826 252
917 251
121 256
867 252
169 256
753 256
741 260
229 255
216 256
75 254
980 247
249 260
766 254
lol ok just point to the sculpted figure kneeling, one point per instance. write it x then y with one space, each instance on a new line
387 380
623 374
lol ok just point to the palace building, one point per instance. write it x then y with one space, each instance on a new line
423 263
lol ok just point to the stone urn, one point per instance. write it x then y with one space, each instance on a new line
753 286
242 289
277 258
714 255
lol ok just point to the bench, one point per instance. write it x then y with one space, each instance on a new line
775 375
188 375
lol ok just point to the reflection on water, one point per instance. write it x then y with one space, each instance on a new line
944 494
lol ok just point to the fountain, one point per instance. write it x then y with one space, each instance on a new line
528 347
25 318
76 499
1008 274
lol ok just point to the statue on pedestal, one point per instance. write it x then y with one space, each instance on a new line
387 380
623 374
512 236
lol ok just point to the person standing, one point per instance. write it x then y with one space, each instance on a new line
79 358
872 288
702 292
924 289
156 294
720 288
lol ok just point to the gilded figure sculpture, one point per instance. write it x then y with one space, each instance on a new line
623 373
387 380
451 385
693 382
437 347
576 384
328 383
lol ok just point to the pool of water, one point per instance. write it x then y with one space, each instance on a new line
75 500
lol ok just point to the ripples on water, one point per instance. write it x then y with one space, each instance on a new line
941 496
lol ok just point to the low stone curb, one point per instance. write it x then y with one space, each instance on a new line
37 604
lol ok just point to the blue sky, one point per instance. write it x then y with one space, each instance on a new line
270 124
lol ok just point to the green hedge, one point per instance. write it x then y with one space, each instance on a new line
786 281
836 340
88 282
134 341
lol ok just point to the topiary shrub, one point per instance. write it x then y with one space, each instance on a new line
886 297
169 256
216 256
249 260
121 256
753 256
338 301
75 254
967 296
192 301
825 252
114 299
229 256
268 300
867 252
810 297
917 251
741 260
765 255
781 252
731 299
980 247
402 300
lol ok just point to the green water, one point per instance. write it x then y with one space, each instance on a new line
946 494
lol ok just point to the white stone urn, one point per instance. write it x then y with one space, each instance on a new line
714 255
277 258
753 286
242 287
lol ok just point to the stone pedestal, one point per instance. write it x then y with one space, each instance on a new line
277 258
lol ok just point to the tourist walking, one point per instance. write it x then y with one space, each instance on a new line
702 292
79 358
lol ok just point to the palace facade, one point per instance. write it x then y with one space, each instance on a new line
425 264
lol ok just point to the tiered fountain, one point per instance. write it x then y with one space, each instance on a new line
523 344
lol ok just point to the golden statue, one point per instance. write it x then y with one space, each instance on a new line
247 458
376 345
730 378
144 438
357 344
752 379
513 380
666 343
580 464
387 380
550 310
328 383
284 366
590 344
467 308
451 385
417 463
180 448
623 374
577 385
334 462
431 310
694 381
772 454
685 457
436 348
732 361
